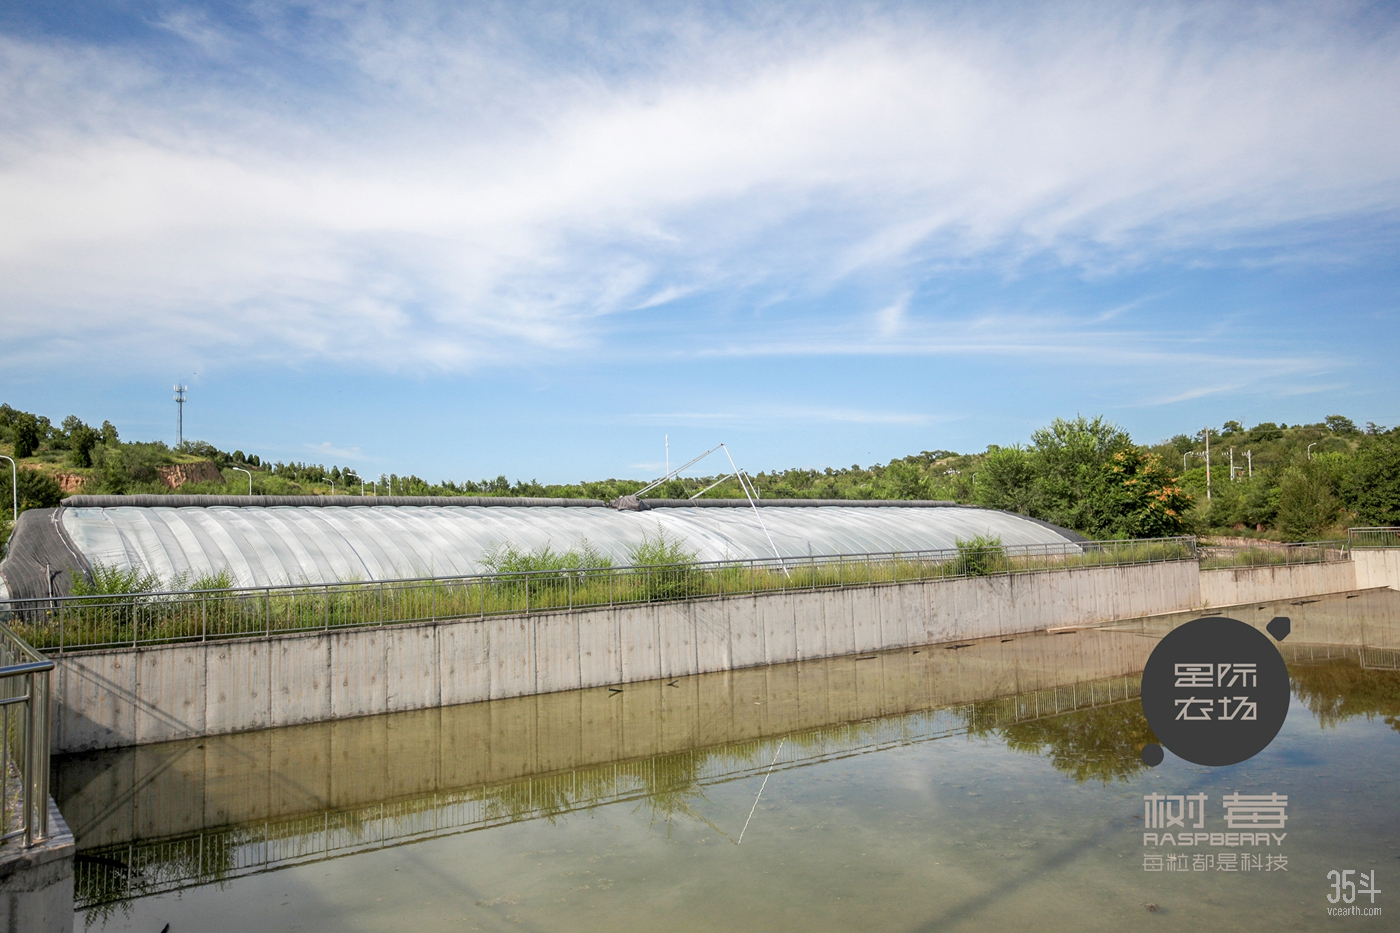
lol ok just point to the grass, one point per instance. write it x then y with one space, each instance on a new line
1220 558
125 607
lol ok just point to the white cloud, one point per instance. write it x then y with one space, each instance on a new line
455 208
751 416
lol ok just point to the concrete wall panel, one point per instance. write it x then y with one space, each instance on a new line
512 656
95 700
556 653
1377 567
464 662
357 682
177 676
676 636
412 667
300 680
1236 586
599 658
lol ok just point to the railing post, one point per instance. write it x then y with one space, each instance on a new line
204 617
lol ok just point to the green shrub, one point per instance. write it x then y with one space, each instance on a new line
36 490
981 556
113 581
666 567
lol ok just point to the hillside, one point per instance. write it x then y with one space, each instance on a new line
1288 482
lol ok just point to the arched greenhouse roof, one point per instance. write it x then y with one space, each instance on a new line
328 539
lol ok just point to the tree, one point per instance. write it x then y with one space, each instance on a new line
1071 460
109 433
1372 486
26 435
1307 504
80 440
1139 498
36 490
1006 480
1339 424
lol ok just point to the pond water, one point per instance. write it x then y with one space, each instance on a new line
988 785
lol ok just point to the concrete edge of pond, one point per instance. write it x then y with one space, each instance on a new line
36 883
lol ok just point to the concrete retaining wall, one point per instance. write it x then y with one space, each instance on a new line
1377 567
1239 585
110 699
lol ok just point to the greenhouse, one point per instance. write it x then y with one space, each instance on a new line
271 541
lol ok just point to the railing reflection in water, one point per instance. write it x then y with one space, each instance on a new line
667 783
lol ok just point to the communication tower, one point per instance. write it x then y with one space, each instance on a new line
180 414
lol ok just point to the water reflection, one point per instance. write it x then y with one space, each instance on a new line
1103 744
1339 689
162 818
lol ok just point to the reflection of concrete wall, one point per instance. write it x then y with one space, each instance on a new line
157 791
1377 567
109 699
1238 585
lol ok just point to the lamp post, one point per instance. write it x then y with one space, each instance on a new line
1207 464
14 488
250 479
1310 447
332 482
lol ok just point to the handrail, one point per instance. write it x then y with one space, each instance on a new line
83 623
1010 550
1375 536
25 717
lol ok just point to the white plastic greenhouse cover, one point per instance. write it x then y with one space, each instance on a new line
292 544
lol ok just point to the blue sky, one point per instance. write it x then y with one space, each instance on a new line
533 239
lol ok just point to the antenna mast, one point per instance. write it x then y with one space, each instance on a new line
180 415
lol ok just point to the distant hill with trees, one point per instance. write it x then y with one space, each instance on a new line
1288 482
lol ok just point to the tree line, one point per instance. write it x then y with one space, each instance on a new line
1290 482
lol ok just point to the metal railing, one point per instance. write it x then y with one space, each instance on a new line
1269 554
1373 537
25 715
75 623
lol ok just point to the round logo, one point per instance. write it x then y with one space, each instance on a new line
1215 691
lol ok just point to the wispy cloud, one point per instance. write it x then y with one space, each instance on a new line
785 415
384 189
327 449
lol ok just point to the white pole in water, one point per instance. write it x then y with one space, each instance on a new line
250 479
14 489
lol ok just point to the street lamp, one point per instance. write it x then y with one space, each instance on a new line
14 487
250 479
1310 447
332 482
